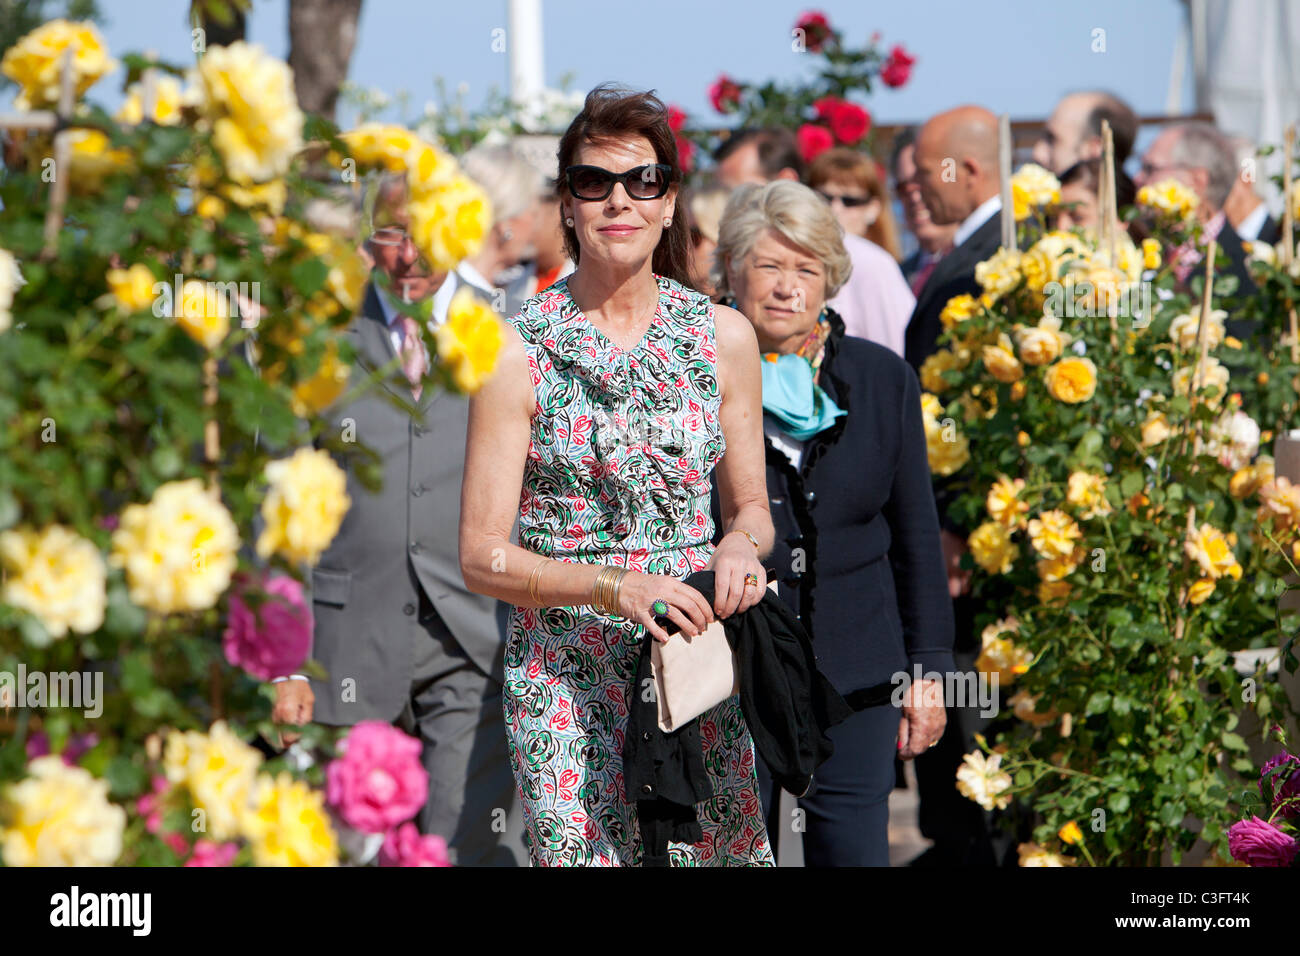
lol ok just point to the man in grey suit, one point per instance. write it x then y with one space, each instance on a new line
400 637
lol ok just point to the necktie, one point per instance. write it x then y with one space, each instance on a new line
923 273
414 364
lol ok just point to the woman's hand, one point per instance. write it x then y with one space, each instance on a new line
734 558
924 718
687 607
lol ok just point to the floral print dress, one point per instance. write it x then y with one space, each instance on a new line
618 467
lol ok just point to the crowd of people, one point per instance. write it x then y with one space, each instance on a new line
494 596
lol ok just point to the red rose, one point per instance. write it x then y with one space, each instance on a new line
676 118
685 154
897 68
813 140
816 30
724 94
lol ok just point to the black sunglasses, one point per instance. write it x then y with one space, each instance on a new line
594 183
850 202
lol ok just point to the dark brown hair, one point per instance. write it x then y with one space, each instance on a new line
847 167
612 114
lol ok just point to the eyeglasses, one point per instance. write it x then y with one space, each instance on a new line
850 202
389 236
1148 171
591 183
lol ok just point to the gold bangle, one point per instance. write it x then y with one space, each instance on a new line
534 580
618 587
752 539
598 587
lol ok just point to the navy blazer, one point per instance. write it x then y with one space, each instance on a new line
857 552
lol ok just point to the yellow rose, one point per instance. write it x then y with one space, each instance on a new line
132 288
428 168
1182 330
1043 343
450 223
1004 504
1022 439
1155 429
958 309
981 779
168 100
1059 568
1168 196
1212 375
1072 380
179 551
313 395
469 341
1150 253
380 144
1210 549
1053 593
1279 499
1200 590
55 575
1031 186
1087 492
35 62
992 548
1054 534
10 279
304 507
204 313
1102 289
1018 391
248 98
1031 854
946 448
91 160
1001 361
932 369
1070 833
269 196
1000 273
288 825
219 771
1024 705
59 816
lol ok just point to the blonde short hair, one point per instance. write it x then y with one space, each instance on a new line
793 210
510 182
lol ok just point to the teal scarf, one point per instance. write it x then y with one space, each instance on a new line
800 406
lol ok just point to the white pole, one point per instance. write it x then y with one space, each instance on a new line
524 42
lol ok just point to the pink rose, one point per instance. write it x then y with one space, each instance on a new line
406 846
150 805
848 121
813 140
897 68
816 30
274 640
209 853
676 118
378 782
1257 842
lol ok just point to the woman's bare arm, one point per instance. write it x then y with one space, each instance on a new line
742 472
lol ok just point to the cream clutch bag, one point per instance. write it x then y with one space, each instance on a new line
693 674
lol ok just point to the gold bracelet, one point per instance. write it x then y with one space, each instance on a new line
618 587
598 587
752 539
534 590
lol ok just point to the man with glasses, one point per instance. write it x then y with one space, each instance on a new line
400 637
1201 158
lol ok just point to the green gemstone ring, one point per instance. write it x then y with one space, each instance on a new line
660 607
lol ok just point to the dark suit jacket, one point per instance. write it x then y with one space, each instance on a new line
857 538
395 543
954 275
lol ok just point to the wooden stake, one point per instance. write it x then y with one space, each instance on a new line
62 161
1288 234
1202 325
1004 175
1107 200
211 430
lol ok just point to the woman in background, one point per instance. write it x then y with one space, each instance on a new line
849 181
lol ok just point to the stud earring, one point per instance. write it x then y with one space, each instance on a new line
667 223
569 222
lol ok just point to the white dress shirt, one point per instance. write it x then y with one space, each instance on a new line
1252 224
982 214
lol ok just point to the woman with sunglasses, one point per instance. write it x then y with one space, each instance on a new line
618 392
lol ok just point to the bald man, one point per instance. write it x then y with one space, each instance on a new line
957 175
1073 131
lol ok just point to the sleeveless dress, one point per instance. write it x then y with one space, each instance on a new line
622 445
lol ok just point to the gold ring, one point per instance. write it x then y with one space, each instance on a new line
933 745
751 578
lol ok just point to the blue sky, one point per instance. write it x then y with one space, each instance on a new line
1016 56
